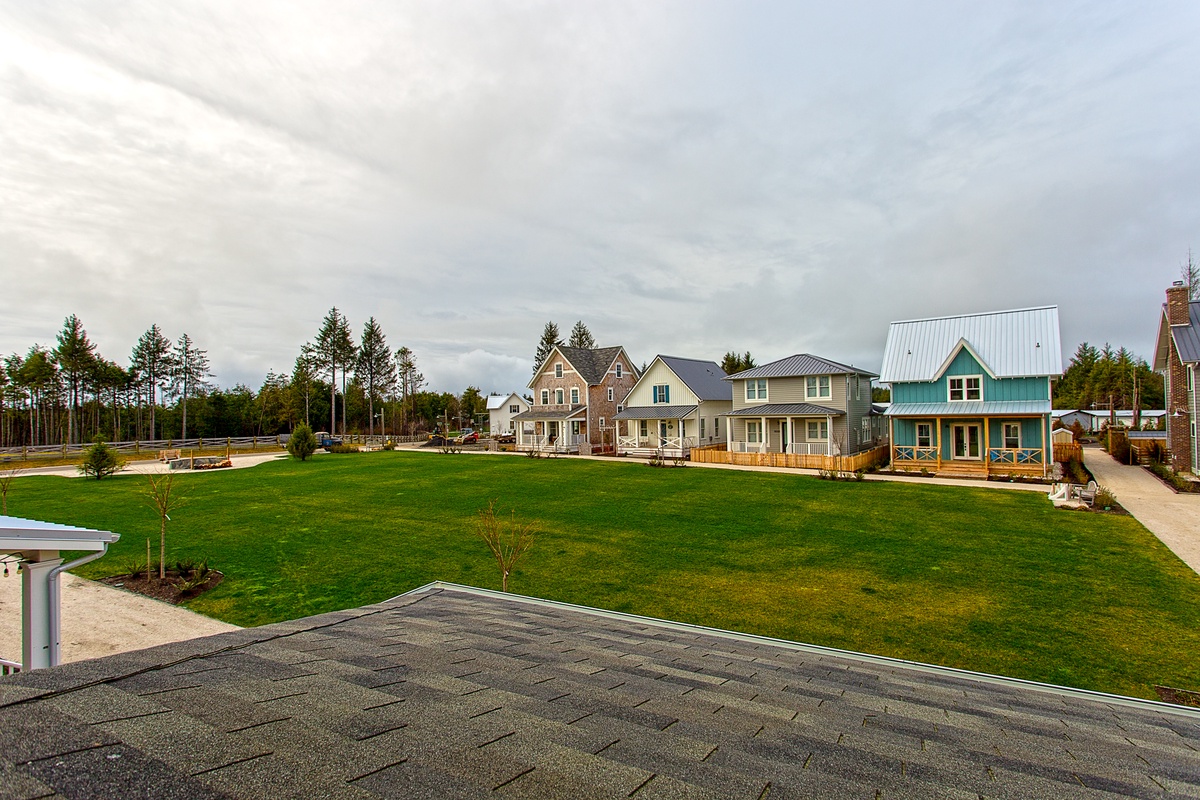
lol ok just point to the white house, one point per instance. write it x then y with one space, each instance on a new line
501 410
676 405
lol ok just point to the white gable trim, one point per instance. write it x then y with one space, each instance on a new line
963 344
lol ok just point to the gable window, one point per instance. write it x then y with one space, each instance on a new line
660 393
756 389
610 394
558 397
816 386
558 370
924 434
618 369
574 395
966 387
545 397
1012 435
754 432
818 430
514 409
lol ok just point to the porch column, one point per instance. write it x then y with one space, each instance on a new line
939 443
829 436
729 434
791 434
987 442
762 446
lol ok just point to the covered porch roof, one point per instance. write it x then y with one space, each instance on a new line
972 408
538 415
786 410
656 412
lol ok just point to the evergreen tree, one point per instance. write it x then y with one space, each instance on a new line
347 354
550 339
189 369
325 355
472 403
75 355
580 337
375 369
1190 273
151 361
410 379
302 384
733 362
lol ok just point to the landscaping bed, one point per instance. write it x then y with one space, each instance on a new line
173 589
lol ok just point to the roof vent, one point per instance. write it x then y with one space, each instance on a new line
1177 283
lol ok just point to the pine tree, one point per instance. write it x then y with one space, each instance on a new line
581 337
75 355
1190 272
410 379
733 362
375 369
550 339
325 354
189 368
347 353
151 361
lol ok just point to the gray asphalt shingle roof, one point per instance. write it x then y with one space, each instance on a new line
799 365
449 692
1187 337
704 378
591 364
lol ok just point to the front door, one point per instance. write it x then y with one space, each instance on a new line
783 436
966 442
662 433
553 435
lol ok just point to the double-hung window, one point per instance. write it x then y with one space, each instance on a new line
965 387
618 369
818 430
574 395
558 397
1012 435
643 429
545 397
924 434
816 387
756 389
558 370
514 409
753 432
660 393
610 394
865 434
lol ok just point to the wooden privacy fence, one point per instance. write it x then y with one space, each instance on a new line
851 463
1068 451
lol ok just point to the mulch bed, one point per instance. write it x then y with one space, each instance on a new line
1182 697
165 590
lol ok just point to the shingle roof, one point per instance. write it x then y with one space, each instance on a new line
655 412
1187 337
449 692
591 364
786 410
1013 344
704 378
799 365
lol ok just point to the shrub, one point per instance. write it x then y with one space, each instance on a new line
1105 498
100 461
342 448
303 443
1118 445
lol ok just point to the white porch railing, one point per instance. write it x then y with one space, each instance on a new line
813 449
9 667
669 443
562 444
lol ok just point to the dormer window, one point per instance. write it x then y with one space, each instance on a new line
816 386
558 370
965 387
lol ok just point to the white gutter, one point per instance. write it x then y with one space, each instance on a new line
55 621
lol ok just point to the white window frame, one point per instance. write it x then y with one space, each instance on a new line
558 397
602 422
574 395
558 370
660 393
753 431
759 390
928 436
644 428
864 430
964 389
817 386
821 427
514 409
574 427
858 387
1004 430
618 369
620 408
610 394
702 427
545 397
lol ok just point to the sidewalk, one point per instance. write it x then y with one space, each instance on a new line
1173 518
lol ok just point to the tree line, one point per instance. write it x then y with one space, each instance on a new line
70 393
1096 377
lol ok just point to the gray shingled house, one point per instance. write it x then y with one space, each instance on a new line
450 692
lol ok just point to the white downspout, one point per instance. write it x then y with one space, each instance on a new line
55 601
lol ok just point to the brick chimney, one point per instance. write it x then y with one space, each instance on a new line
1178 312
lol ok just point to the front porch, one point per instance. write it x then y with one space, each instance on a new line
800 429
665 431
972 447
546 431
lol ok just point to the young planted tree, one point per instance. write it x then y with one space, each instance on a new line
163 498
1190 273
508 543
151 360
100 461
550 339
302 443
375 369
74 354
581 337
189 369
6 479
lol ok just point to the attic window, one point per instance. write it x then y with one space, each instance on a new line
618 369
558 370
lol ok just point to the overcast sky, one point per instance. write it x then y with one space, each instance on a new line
687 178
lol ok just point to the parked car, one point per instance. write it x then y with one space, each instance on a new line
325 439
467 436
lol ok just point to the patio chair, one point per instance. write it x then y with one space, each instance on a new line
1088 493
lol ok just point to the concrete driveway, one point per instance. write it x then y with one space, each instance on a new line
1173 518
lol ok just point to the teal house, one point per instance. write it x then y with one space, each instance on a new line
971 394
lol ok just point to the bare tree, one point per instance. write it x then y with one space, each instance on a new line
1190 272
508 544
6 477
164 501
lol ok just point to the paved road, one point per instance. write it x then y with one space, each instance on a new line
1173 518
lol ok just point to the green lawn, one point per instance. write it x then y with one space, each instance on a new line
983 579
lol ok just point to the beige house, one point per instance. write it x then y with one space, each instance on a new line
676 405
803 405
576 394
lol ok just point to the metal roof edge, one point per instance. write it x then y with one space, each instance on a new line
977 314
786 644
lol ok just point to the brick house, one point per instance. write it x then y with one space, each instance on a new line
576 394
1177 356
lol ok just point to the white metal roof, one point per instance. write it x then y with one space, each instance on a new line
18 535
1020 343
495 402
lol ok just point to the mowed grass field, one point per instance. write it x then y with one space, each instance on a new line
983 579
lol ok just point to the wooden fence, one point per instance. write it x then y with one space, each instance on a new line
1068 451
851 463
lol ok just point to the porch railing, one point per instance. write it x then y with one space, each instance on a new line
1015 455
9 667
908 452
813 449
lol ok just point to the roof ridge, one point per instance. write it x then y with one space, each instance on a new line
977 314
